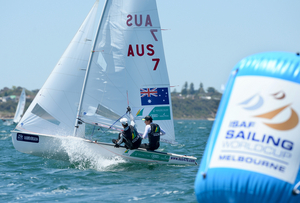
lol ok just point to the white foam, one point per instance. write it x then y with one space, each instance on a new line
84 157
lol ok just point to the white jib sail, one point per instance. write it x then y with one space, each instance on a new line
20 107
54 109
128 67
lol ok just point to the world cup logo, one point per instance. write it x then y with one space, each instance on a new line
288 124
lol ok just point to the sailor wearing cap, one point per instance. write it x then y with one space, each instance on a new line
153 133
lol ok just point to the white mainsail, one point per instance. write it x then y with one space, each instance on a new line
20 107
53 111
128 67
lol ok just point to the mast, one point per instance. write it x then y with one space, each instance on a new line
87 72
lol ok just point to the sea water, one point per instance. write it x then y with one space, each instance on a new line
90 178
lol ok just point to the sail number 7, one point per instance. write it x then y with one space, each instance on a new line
156 63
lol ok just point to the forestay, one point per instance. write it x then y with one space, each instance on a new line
53 111
128 67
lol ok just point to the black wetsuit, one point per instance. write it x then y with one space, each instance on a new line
154 138
130 137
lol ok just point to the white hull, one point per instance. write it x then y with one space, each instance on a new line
62 148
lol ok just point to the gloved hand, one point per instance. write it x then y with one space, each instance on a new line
117 146
128 109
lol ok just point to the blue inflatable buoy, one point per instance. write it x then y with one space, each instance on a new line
253 151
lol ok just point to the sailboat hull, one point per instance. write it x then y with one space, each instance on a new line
63 148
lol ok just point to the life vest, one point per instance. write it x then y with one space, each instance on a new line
154 136
132 139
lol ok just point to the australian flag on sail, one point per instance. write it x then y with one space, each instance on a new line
154 96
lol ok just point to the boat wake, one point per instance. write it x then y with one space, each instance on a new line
83 157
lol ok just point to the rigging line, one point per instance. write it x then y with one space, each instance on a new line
113 123
100 128
116 121
127 98
93 132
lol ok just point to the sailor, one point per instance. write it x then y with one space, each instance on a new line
153 133
129 136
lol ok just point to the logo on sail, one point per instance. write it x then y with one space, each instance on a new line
289 124
156 112
140 112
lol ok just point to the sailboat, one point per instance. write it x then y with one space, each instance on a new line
96 79
20 107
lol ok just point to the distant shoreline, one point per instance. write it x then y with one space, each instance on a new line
197 106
